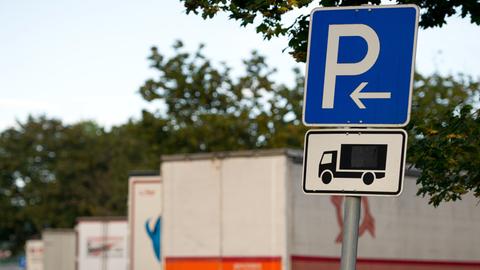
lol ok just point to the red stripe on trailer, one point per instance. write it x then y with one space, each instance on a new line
225 259
309 262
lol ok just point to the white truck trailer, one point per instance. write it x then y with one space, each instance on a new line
34 251
145 220
59 249
102 243
247 211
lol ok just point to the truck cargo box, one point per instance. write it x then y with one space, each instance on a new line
34 254
59 249
246 210
102 243
145 221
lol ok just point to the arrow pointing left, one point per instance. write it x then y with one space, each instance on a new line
356 95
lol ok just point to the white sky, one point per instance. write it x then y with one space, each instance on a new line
86 59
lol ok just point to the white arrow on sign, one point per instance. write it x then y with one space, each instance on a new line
356 95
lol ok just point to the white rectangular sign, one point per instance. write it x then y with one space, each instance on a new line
354 161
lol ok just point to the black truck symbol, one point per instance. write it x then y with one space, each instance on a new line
365 161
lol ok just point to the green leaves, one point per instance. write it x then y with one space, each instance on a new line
269 16
52 173
444 133
206 109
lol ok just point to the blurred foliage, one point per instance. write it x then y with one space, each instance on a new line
444 137
269 17
208 110
51 172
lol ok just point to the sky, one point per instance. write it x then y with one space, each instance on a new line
86 59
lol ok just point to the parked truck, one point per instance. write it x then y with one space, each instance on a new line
246 211
34 254
59 249
145 220
102 243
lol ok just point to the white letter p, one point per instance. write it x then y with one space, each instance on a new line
334 69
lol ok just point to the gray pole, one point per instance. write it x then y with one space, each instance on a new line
351 219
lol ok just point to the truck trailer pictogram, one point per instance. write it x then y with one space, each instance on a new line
364 161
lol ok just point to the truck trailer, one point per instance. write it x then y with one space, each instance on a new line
59 249
34 251
102 243
145 220
246 211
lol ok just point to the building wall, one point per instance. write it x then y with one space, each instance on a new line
59 249
225 213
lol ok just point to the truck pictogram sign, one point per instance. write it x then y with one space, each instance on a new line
354 161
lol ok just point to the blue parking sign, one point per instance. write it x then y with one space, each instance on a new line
360 66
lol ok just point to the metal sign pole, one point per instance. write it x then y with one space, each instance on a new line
350 233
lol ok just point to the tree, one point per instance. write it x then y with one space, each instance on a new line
208 110
269 16
444 133
26 164
52 173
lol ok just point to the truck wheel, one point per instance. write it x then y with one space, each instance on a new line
368 178
327 177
